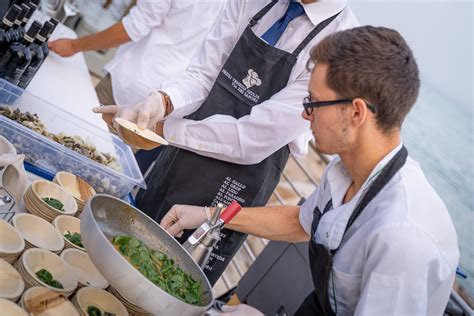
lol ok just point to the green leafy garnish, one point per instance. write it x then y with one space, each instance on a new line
46 276
93 311
54 203
75 238
161 270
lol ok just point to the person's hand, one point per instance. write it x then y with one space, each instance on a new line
145 113
64 47
181 217
240 310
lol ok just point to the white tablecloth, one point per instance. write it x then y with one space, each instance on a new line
66 83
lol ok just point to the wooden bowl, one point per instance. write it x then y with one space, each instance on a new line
38 233
43 188
39 295
34 260
11 282
106 302
76 186
11 242
64 224
8 308
143 139
85 271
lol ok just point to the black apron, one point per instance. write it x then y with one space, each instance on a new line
321 259
253 73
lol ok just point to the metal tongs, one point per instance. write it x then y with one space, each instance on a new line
200 244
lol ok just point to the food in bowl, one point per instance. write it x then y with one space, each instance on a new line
159 269
75 143
75 238
95 311
46 276
54 203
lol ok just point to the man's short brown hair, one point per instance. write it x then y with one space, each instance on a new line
375 64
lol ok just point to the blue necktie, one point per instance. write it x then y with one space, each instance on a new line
272 35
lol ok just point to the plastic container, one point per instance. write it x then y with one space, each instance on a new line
50 157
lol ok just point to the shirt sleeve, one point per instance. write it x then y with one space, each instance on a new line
270 126
402 271
306 210
144 16
188 90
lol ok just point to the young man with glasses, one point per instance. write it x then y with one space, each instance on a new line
381 241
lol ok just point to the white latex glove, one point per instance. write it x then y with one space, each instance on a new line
240 310
145 113
181 217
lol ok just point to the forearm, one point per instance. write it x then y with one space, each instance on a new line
280 223
111 37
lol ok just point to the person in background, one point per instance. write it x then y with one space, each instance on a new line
381 241
156 41
233 117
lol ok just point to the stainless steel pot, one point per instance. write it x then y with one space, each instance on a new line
105 217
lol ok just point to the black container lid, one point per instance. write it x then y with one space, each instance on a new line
12 13
55 24
23 12
32 10
34 29
54 21
46 30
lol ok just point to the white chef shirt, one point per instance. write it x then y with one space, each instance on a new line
271 124
400 255
165 34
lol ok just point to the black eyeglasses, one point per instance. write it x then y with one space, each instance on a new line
310 105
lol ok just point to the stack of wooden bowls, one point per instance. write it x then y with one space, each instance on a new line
104 301
11 282
65 224
41 189
40 301
77 187
9 308
34 260
11 242
131 308
84 270
38 233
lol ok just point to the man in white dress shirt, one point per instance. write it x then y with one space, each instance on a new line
233 117
156 41
381 240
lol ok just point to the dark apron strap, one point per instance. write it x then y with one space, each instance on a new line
317 216
314 32
261 13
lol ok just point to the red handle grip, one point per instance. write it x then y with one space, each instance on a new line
231 210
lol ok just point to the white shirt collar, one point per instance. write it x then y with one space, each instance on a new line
321 10
339 178
333 224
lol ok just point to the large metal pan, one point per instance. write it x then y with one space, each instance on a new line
103 218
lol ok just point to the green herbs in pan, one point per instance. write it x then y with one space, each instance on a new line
54 203
159 269
46 276
75 238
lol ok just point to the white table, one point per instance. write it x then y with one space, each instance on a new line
66 83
